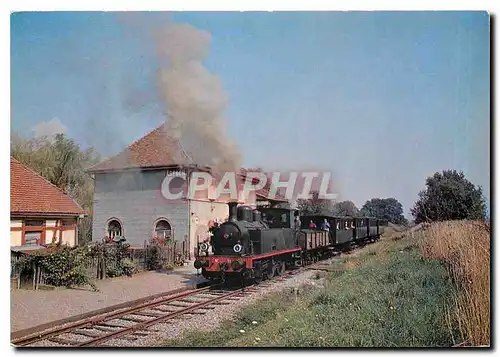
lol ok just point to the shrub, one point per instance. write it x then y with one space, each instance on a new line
65 266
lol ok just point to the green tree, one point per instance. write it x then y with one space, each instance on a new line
345 208
389 209
62 162
449 196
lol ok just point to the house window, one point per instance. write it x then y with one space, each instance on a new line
32 238
114 229
34 223
163 229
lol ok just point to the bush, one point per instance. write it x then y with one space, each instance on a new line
65 266
154 261
116 256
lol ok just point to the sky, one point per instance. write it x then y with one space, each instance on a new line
380 99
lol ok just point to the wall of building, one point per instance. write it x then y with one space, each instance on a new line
50 234
201 213
69 237
136 201
53 230
15 236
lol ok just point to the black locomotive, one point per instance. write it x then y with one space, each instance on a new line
262 243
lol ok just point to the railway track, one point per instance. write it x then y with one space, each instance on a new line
138 321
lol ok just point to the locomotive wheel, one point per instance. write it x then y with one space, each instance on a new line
281 268
258 276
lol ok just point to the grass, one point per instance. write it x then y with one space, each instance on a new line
389 296
465 247
428 286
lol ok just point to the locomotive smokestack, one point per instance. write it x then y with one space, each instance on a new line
233 208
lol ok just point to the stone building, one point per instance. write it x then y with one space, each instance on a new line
128 198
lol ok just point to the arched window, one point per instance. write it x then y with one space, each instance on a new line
163 229
114 229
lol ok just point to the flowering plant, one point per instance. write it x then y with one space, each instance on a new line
160 240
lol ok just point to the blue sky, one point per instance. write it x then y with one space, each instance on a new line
382 99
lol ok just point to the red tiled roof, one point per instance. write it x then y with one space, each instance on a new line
156 149
31 193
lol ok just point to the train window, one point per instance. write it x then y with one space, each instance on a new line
338 225
284 218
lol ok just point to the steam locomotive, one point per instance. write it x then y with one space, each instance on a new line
259 244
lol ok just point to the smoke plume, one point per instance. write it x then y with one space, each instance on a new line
48 128
195 99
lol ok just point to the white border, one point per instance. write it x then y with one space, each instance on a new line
213 5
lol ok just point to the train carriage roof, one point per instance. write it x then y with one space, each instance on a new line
316 216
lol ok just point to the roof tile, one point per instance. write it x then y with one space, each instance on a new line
156 149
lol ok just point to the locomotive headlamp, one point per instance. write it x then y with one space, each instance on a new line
203 247
225 236
237 248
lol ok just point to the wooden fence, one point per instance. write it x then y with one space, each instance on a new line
170 254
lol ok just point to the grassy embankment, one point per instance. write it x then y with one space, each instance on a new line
413 289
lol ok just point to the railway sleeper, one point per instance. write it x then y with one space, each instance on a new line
86 333
175 304
63 341
166 310
106 328
125 337
140 334
110 324
129 318
148 314
193 300
197 312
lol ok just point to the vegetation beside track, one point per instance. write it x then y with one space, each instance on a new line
398 292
